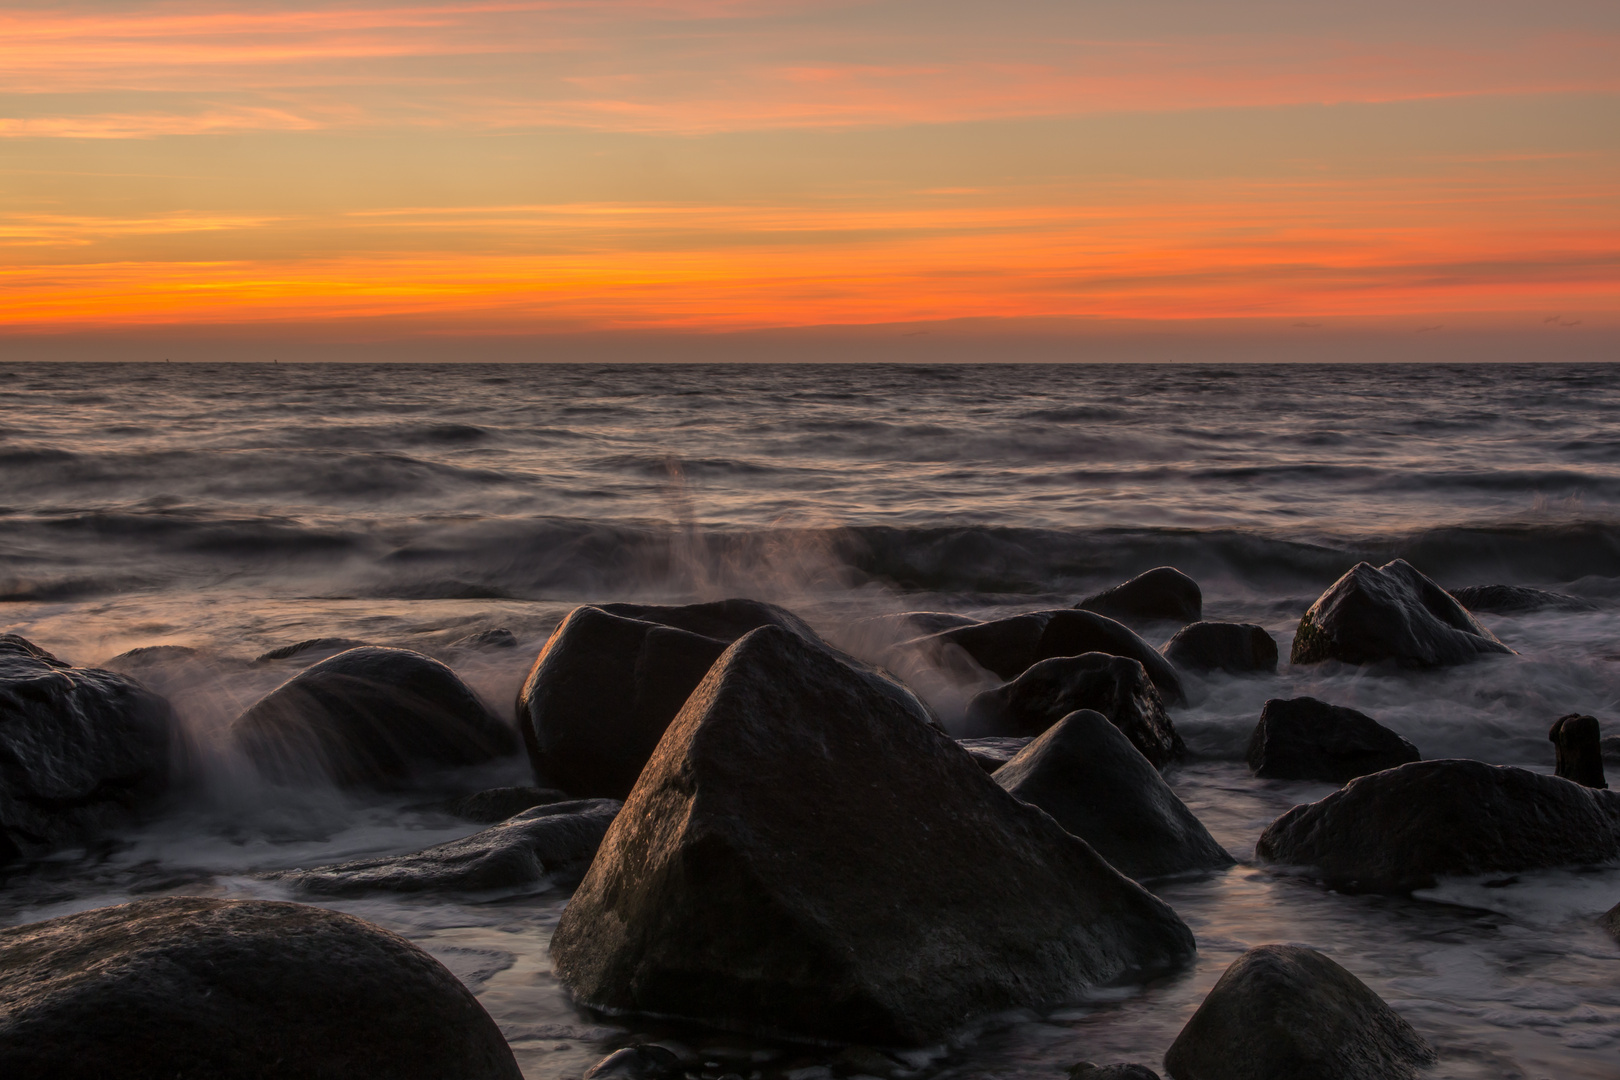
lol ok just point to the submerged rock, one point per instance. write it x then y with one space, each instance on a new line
1235 648
724 620
992 753
1391 612
186 986
1115 686
498 638
1085 1070
311 649
1306 739
1401 829
81 750
1161 594
1087 775
546 844
498 804
370 717
1515 599
1579 749
805 854
1285 1012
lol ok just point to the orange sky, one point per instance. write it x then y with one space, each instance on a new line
463 172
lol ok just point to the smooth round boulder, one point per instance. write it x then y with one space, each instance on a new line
247 989
1235 648
1390 613
1306 739
1579 750
1402 829
1286 1012
370 717
1163 594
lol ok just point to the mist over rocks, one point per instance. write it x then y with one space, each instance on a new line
1163 594
806 855
1235 648
1391 612
1087 775
1306 739
1404 828
497 804
187 986
1287 1012
371 717
82 750
993 752
317 648
1115 686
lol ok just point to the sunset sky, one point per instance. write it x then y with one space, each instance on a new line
536 179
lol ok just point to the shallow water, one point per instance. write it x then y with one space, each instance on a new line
236 509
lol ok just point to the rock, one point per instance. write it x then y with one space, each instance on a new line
1085 1070
498 638
318 648
498 804
1579 749
1087 775
1282 1012
1400 829
724 620
644 1061
795 859
1515 599
1115 686
1610 921
247 989
909 624
993 753
546 844
1394 613
1306 739
1009 647
81 750
1236 648
1161 594
370 717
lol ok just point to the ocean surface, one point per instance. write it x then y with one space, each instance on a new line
239 508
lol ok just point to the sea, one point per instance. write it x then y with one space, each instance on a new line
237 508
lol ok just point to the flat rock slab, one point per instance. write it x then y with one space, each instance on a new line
1306 739
246 989
1401 829
1390 613
806 855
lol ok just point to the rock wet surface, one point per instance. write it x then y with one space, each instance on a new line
1161 594
1307 739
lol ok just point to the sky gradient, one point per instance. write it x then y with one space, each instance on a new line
527 179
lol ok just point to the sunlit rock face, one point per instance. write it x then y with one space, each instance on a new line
806 854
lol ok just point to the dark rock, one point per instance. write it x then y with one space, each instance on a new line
247 989
1282 1012
1610 921
1515 599
81 750
1086 774
148 655
546 844
498 804
1161 594
644 1061
909 624
993 753
1579 749
1400 829
792 860
1237 648
1085 1070
1391 612
1306 739
1009 647
498 638
310 649
724 620
1115 686
370 717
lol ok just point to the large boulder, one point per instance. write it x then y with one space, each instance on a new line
806 854
81 750
545 845
194 987
1163 594
1306 739
726 620
370 717
1578 748
1401 829
1235 648
1517 599
1115 686
1087 775
1009 647
1394 613
1285 1012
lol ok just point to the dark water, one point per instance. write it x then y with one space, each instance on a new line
238 508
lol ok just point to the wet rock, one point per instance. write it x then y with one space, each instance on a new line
725 620
498 638
1087 775
1236 648
1516 599
1085 1070
1282 1012
1579 749
81 750
909 624
544 845
498 804
1161 594
992 753
370 717
318 648
1306 739
644 1061
1009 647
247 989
1115 686
792 860
1401 829
1391 612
